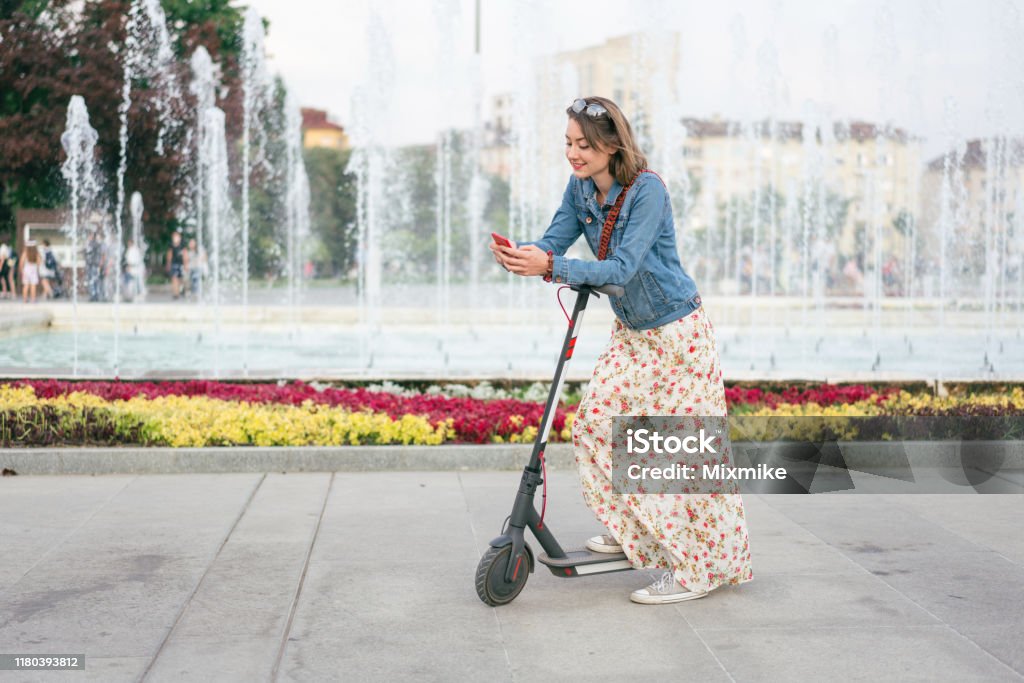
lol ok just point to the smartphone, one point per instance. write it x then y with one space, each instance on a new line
503 241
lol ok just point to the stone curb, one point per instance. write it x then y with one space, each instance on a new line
991 456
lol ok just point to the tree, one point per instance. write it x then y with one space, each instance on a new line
332 210
51 51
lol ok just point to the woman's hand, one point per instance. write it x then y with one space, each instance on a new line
500 252
530 260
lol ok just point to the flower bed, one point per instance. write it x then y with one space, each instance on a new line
210 413
203 413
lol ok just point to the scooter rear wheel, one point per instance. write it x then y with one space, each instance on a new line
490 576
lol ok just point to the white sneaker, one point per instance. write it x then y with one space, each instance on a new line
664 591
604 544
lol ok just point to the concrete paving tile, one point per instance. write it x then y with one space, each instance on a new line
114 589
39 513
813 600
961 589
1002 642
392 624
248 591
103 613
403 538
434 524
251 584
798 653
210 658
869 524
362 491
954 578
609 639
778 545
284 510
777 554
992 522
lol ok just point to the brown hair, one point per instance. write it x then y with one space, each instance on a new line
31 253
611 132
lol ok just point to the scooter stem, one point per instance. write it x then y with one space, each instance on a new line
524 513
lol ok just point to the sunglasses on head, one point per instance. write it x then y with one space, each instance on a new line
594 109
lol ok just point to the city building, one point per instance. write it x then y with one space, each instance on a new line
495 151
318 131
856 184
974 199
874 172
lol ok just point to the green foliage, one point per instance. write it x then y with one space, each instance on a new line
205 22
29 8
410 245
49 425
267 192
332 210
39 73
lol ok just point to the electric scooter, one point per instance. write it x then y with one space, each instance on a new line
508 563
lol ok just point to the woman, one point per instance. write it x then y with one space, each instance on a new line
31 265
661 358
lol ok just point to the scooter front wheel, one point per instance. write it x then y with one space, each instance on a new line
490 576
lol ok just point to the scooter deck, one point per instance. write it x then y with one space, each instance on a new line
580 562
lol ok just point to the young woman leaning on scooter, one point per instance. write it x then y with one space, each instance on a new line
661 358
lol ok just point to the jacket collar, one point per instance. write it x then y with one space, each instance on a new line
590 191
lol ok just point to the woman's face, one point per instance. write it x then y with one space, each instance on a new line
585 160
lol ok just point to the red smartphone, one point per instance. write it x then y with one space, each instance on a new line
503 241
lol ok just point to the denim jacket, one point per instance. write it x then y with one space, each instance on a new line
642 256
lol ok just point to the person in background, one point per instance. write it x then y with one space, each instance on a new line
31 264
53 281
6 268
177 264
45 272
197 267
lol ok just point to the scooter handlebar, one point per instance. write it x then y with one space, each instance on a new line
609 290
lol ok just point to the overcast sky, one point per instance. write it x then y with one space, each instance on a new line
934 62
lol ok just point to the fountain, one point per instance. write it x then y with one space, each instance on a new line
203 88
220 218
256 94
138 238
771 201
372 163
148 55
297 229
79 171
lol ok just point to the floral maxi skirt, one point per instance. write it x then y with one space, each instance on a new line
669 370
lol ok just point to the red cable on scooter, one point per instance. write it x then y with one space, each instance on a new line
544 493
558 295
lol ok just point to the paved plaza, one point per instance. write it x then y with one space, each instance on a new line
368 576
